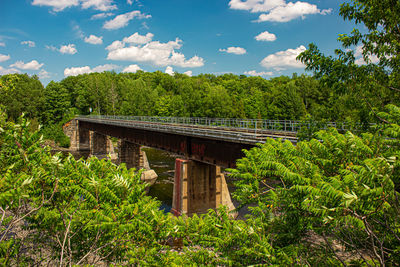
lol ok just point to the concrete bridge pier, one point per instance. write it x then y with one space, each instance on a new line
101 146
132 155
83 139
79 137
198 187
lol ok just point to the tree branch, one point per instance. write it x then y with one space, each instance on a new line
94 251
65 239
353 246
372 237
2 217
394 88
333 251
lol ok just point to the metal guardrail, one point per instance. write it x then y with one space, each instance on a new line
212 131
248 131
291 126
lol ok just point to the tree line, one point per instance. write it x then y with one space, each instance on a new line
206 95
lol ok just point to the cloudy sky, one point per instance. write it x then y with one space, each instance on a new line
58 38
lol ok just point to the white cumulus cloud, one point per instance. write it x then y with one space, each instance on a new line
136 38
44 74
360 59
93 39
57 5
266 36
105 67
29 43
255 73
101 16
74 71
122 20
234 50
188 73
132 68
256 5
4 71
68 49
155 52
4 57
278 10
169 70
78 31
51 47
60 5
33 65
284 59
102 5
115 45
292 11
64 49
2 44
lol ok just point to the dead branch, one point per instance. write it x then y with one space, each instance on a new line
65 238
333 251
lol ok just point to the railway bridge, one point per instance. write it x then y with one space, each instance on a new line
204 144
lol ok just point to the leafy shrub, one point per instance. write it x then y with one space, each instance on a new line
343 187
55 132
72 211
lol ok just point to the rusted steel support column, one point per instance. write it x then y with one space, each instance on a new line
101 146
180 193
199 187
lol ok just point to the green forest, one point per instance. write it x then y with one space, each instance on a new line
333 199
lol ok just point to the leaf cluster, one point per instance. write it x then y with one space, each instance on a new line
342 187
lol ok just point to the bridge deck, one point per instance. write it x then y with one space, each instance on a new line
243 135
211 140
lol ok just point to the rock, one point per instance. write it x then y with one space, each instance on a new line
149 176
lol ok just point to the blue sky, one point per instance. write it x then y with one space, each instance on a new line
58 38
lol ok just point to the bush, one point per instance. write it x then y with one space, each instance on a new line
55 132
340 187
70 211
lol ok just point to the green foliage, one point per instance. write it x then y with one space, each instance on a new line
381 18
7 83
309 127
55 132
70 209
337 193
21 94
340 185
159 94
332 199
57 103
60 211
376 81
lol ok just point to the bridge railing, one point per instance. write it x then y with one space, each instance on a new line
253 125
